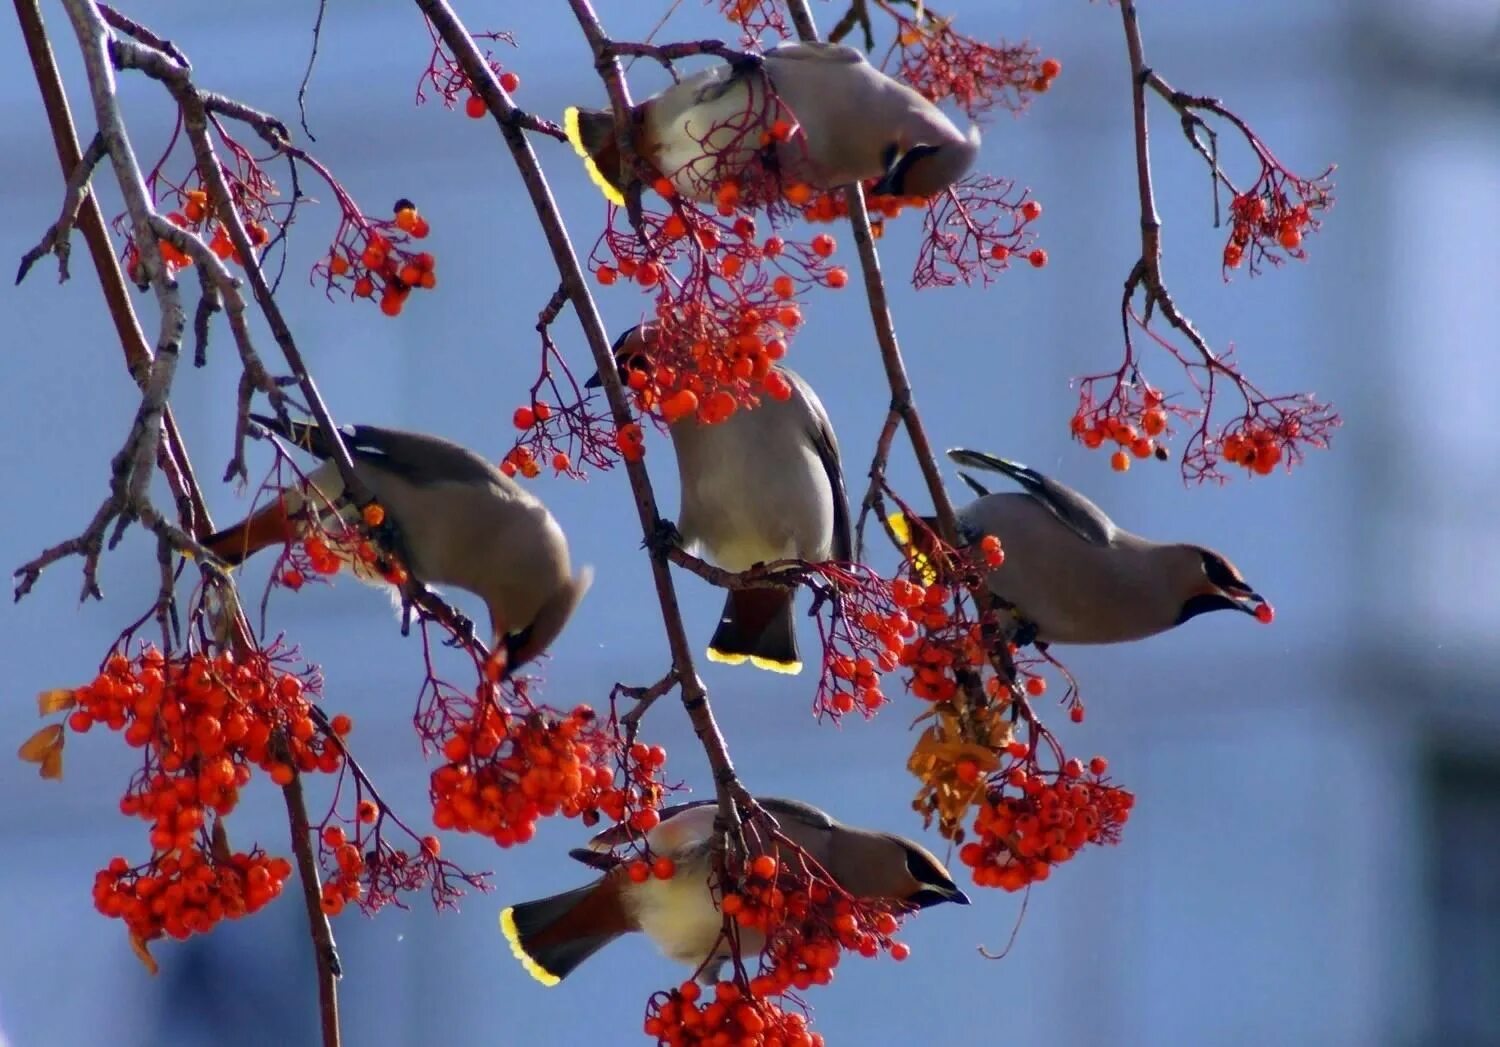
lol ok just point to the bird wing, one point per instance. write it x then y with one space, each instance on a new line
779 808
416 457
1080 515
827 446
974 485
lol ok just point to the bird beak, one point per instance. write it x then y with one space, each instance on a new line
1248 601
959 897
594 381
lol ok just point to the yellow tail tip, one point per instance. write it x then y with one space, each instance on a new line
575 139
900 528
724 658
513 936
770 665
921 565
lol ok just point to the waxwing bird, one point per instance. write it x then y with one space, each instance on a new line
849 121
763 485
551 936
1071 575
458 520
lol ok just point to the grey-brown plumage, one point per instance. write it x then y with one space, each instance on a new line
851 123
1074 576
459 520
765 484
551 936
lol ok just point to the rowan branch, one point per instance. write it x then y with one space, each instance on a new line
732 795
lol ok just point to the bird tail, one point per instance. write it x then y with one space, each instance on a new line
917 542
553 935
591 133
757 625
269 526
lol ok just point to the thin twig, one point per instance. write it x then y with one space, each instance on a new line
56 239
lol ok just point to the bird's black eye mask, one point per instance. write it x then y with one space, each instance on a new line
1222 575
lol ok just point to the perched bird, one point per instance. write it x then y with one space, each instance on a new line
763 485
1072 576
848 122
551 936
458 520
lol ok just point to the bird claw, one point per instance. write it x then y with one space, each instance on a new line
664 537
1025 633
463 631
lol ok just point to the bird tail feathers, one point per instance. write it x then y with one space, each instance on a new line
757 625
543 934
269 526
591 133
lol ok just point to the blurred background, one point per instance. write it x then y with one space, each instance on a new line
1312 857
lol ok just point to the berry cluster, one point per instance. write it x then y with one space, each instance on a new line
376 256
725 303
1255 447
734 1018
506 771
1132 418
327 551
193 217
1021 837
521 458
1272 218
187 892
204 722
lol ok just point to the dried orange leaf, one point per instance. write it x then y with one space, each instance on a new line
46 740
138 946
49 702
52 764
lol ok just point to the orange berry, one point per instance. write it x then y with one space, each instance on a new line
431 846
663 868
638 871
1050 68
373 514
783 286
1119 461
823 245
364 287
367 811
606 275
509 82
282 774
763 866
837 277
392 302
999 252
1289 236
524 418
1031 210
1154 421
1142 447
1037 258
561 462
341 725
475 107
